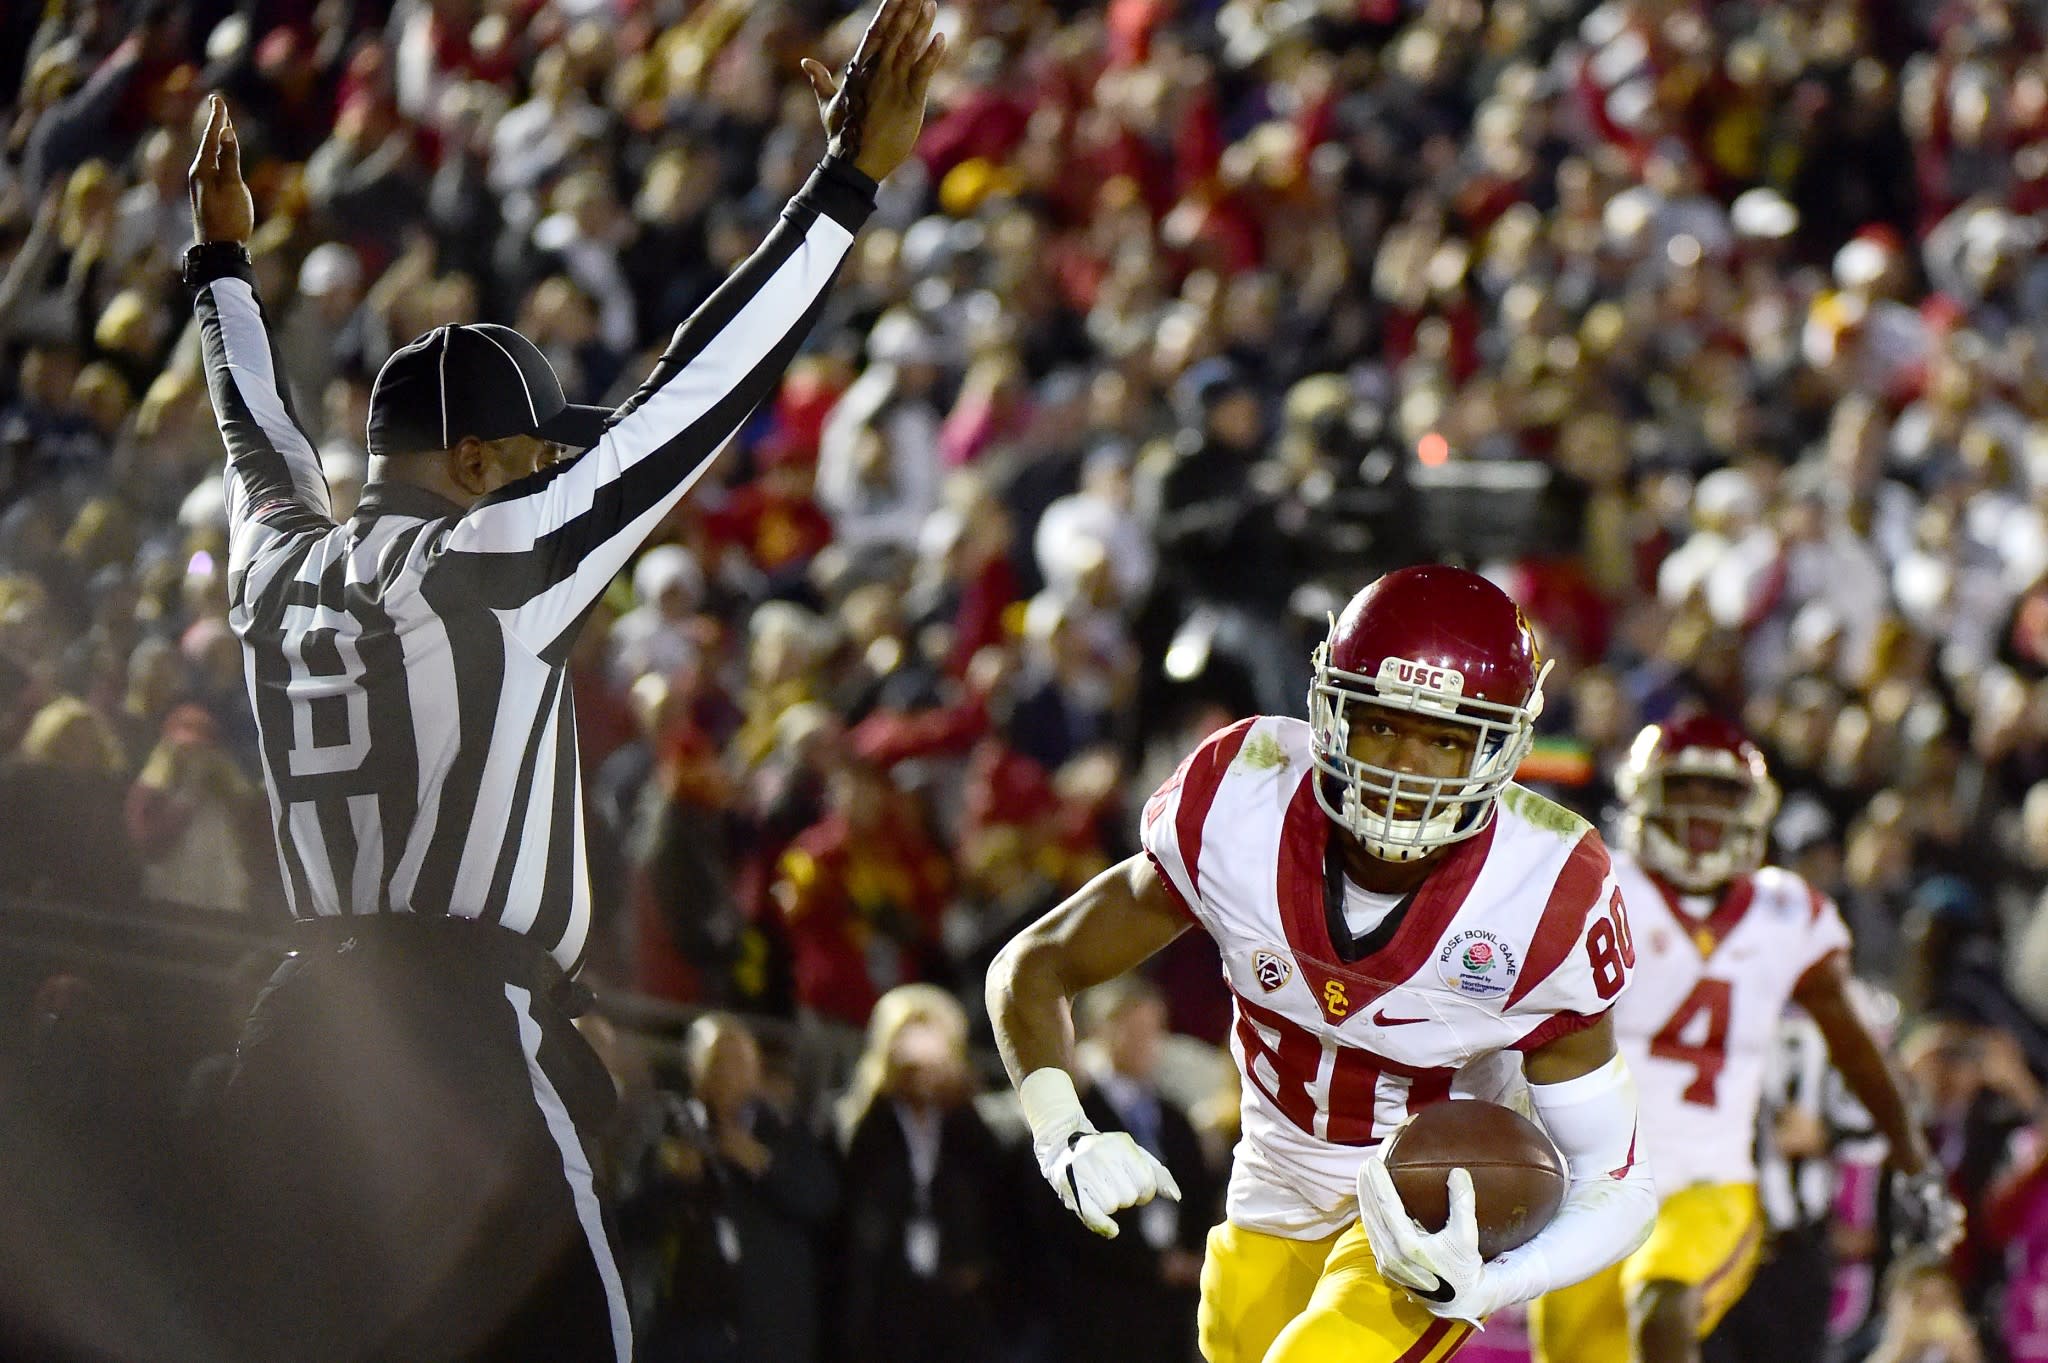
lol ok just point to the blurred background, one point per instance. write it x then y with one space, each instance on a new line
1714 332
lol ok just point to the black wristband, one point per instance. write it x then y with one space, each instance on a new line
210 260
840 165
839 190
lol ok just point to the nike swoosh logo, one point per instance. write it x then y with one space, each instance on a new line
1383 1020
1439 1294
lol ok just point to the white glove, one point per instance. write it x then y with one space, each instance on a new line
1096 1173
1442 1269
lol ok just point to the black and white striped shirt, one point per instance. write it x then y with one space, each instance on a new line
407 667
1799 1193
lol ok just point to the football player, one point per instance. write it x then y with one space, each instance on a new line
1722 944
1399 923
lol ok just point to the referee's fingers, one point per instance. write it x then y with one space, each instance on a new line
902 16
216 114
910 39
927 65
230 153
875 40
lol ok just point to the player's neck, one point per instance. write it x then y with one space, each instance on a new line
1697 905
1376 876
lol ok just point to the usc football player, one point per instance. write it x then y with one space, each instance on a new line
1399 923
1723 943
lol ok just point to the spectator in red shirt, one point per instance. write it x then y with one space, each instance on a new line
861 893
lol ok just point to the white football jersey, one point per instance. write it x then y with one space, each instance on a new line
1514 940
1699 1023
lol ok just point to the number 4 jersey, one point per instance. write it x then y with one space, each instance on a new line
1710 991
1517 937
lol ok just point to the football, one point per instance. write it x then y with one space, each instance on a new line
1518 1178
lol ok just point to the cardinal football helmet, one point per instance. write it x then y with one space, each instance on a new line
1436 641
1695 845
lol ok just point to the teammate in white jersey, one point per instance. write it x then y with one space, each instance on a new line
1398 924
1723 943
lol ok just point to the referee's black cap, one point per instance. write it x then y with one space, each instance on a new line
482 380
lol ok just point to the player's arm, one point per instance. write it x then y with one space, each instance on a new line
273 476
542 550
1929 1214
1111 925
1823 991
1582 1090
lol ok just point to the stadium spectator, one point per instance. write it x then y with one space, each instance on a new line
861 893
197 823
64 836
1924 1320
918 1249
756 1195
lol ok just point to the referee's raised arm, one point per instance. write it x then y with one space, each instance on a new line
409 1139
543 549
274 483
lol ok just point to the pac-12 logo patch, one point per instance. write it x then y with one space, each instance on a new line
1271 969
1477 964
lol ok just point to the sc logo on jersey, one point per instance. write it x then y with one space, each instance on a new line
1271 969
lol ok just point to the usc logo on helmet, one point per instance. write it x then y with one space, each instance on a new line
1422 676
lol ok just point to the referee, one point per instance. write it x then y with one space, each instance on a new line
412 1119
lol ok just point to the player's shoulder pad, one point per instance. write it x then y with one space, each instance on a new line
1787 894
1541 814
1574 880
1262 747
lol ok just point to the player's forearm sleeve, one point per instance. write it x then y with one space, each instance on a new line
1610 1204
542 550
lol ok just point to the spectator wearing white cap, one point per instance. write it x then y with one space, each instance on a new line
653 637
1861 335
318 327
1099 519
878 455
153 216
1728 528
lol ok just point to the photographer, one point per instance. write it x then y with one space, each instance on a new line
742 1194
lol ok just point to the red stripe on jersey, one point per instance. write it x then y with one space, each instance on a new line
1564 916
1173 895
1352 1111
1200 777
1555 1026
1304 838
1295 1060
1426 1088
1420 1351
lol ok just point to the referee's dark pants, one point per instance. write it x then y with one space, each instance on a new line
1783 1317
410 1131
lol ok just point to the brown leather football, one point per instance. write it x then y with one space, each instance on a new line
1518 1178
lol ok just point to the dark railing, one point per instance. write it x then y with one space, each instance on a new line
183 977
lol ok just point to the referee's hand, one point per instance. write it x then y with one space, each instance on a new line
875 113
221 207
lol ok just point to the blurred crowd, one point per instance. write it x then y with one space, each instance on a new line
1714 331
